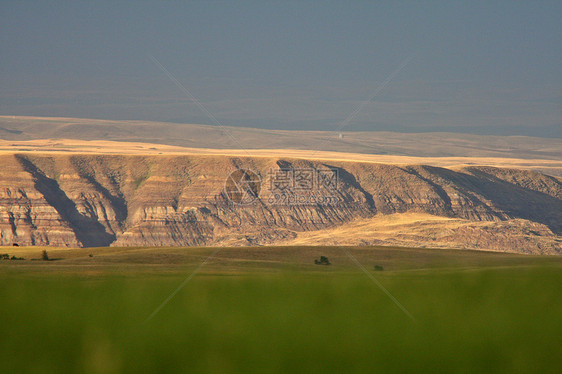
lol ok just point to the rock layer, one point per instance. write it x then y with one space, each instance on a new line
84 200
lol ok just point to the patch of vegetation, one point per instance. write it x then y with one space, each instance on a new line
379 268
44 255
483 320
141 178
137 182
322 261
6 257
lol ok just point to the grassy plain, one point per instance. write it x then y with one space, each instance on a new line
439 144
270 309
66 146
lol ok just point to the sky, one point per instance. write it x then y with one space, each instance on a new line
473 67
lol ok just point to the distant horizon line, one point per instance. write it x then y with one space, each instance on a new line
349 129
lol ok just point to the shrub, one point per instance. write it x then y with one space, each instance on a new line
45 255
323 261
379 268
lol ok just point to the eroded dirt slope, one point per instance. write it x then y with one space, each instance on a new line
125 200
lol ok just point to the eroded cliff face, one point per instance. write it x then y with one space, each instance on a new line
86 200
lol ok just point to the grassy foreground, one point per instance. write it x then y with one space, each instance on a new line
501 319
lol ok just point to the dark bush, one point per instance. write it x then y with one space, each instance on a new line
45 255
323 261
379 268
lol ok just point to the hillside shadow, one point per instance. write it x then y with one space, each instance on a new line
349 179
514 200
88 231
118 202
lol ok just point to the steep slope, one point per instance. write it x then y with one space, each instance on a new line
126 200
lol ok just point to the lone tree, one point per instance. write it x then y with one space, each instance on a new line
323 261
45 255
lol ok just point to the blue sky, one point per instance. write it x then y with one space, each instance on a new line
477 67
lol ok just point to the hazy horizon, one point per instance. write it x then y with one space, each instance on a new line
475 68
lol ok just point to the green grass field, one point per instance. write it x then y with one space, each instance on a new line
272 310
